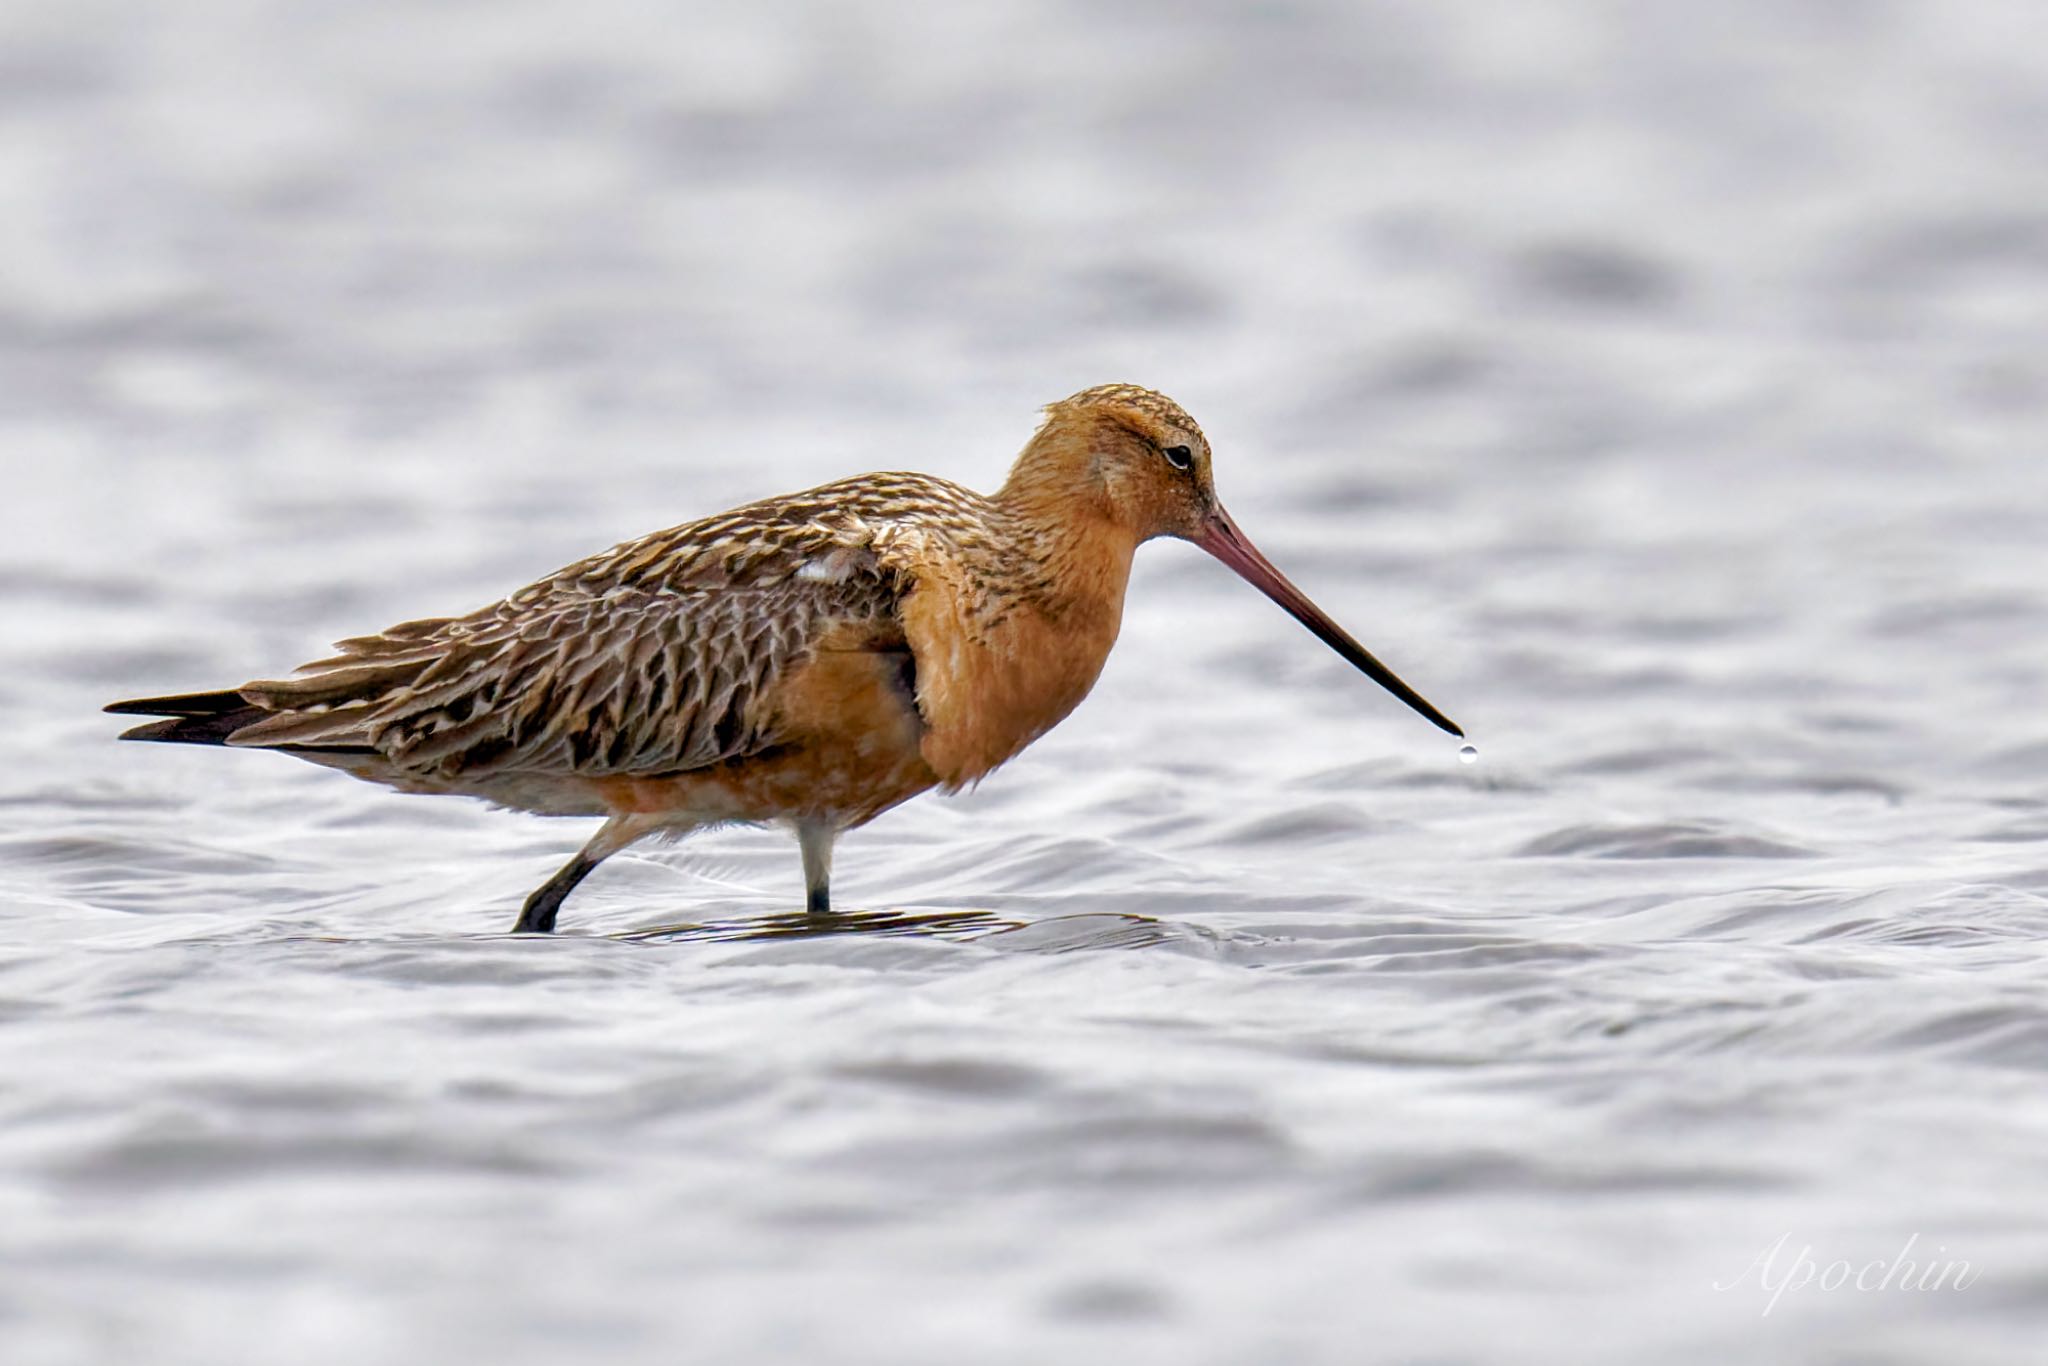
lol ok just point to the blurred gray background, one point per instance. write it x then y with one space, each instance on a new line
1657 386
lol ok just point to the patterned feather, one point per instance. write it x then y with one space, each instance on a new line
658 656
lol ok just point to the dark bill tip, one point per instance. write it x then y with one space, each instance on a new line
1226 542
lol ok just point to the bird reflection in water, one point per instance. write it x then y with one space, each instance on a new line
940 924
1054 934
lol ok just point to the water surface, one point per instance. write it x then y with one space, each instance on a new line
1660 393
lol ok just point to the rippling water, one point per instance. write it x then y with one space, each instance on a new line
1659 388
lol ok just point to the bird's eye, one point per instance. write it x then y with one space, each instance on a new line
1180 457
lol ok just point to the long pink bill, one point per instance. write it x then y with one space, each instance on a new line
1223 540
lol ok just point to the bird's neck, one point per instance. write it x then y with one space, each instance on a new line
1042 612
1068 522
1083 552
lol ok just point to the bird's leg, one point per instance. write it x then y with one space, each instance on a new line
815 839
537 916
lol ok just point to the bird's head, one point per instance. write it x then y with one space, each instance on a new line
1127 455
1132 458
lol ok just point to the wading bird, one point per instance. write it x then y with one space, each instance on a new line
814 659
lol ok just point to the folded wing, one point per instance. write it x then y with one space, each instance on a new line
660 656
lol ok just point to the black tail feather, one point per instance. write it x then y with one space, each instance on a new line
196 730
200 718
181 704
207 718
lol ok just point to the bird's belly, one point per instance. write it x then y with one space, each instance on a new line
821 783
543 794
846 750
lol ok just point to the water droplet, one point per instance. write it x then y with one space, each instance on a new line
1468 754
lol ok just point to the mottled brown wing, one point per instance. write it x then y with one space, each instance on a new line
630 663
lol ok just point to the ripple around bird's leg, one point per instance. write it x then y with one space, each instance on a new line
938 924
1067 933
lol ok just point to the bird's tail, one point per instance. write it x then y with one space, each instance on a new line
199 718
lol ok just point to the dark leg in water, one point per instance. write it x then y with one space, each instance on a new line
537 916
816 842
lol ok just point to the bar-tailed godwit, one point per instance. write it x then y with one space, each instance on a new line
814 659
